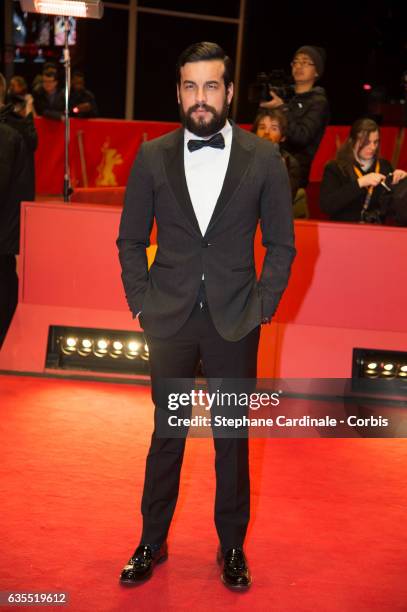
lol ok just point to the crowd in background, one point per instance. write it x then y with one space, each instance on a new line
358 186
47 97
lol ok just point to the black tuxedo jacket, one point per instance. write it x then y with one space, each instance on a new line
256 187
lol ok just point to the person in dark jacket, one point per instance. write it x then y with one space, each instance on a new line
18 94
18 116
356 186
49 100
272 125
206 185
307 110
16 184
82 103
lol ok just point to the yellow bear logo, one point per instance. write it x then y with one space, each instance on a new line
110 159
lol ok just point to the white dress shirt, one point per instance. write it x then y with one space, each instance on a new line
205 171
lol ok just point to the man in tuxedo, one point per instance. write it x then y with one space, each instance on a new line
207 185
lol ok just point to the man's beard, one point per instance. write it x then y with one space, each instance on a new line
200 127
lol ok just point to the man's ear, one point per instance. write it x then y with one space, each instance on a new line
229 93
178 98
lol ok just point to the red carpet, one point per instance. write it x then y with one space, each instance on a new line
329 520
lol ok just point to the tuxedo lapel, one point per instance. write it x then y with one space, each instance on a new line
175 171
240 157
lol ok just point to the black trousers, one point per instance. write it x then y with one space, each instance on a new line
178 357
8 292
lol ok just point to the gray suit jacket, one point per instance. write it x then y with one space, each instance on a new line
256 187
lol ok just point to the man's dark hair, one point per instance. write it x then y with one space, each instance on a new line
204 51
273 113
51 73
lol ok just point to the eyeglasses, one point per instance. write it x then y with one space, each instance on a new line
301 63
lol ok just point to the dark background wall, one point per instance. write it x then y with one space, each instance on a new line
366 42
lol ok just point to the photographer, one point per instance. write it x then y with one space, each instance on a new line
82 103
357 185
49 99
19 96
307 111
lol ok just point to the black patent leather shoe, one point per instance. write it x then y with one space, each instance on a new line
235 573
140 566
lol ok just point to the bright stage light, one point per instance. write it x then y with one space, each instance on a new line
98 350
85 348
145 354
68 345
68 8
380 372
372 373
117 349
131 350
388 370
372 370
133 346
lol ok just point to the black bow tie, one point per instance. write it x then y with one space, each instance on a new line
217 142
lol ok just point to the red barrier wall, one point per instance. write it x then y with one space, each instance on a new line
346 290
70 257
109 148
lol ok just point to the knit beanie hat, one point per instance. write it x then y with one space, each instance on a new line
317 54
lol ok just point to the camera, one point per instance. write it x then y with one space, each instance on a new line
388 181
277 80
371 216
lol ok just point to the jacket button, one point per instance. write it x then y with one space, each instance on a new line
205 244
